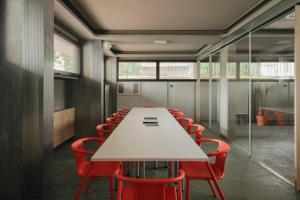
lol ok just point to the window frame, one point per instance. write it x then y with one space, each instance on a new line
65 74
157 71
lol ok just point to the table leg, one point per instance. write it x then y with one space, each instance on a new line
142 169
176 168
156 165
137 169
171 169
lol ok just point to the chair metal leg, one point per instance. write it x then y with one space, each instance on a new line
77 194
212 188
143 169
170 169
187 192
89 184
215 181
137 168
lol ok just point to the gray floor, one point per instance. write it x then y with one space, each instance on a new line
272 145
244 179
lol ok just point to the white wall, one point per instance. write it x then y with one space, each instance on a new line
281 95
164 94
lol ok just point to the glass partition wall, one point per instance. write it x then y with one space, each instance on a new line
272 66
258 93
215 91
238 93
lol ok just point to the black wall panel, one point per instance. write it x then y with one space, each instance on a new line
26 82
63 94
89 89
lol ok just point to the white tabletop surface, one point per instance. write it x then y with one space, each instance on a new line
133 141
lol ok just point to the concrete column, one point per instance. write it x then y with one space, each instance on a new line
223 92
197 92
297 97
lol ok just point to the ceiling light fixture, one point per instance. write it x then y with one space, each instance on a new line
107 45
160 42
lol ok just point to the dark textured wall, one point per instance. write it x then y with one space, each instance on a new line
89 89
26 95
63 94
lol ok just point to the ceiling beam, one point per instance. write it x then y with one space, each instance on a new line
100 33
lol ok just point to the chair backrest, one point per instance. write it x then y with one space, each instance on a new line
179 115
123 110
114 121
148 189
197 130
102 129
119 115
220 154
186 123
80 153
173 110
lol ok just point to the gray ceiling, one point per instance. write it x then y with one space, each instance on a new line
164 14
146 20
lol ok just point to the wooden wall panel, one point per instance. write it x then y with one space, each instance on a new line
63 126
25 89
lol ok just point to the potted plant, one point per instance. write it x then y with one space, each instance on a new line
261 93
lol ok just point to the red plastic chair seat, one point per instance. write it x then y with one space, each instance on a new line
135 193
199 170
99 169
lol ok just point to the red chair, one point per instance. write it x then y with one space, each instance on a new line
196 130
206 170
88 169
186 123
178 115
118 116
114 121
105 129
173 110
149 189
123 111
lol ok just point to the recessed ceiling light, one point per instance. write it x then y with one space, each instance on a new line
107 45
160 42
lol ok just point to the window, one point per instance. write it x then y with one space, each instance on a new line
268 70
66 55
177 70
137 70
204 68
231 70
244 70
215 70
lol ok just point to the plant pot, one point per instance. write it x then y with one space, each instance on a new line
261 120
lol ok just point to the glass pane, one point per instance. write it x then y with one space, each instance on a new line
204 91
177 70
215 92
204 69
273 96
66 55
231 70
238 95
137 70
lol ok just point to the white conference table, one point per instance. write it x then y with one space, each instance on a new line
134 141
